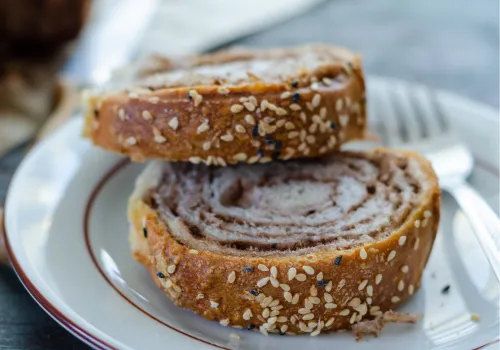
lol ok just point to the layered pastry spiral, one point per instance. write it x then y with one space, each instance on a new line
316 237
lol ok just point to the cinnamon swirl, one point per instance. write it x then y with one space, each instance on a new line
303 246
234 106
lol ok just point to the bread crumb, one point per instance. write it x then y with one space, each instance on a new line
235 336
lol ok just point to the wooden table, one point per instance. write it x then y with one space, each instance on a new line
450 44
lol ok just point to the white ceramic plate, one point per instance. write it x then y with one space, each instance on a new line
66 230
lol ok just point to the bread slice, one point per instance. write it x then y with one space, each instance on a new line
300 246
234 106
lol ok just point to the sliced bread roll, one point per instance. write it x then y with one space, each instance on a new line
233 106
291 247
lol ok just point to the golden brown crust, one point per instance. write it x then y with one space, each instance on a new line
369 280
306 113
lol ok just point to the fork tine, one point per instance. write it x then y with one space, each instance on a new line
424 110
385 110
406 113
443 121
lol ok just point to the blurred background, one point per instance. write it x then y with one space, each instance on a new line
445 44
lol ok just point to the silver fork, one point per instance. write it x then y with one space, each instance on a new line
413 119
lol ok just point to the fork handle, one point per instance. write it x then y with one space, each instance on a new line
485 223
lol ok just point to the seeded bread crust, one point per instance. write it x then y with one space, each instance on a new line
367 281
304 112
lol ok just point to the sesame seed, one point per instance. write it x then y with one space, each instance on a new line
272 320
427 214
401 285
121 114
308 304
282 319
286 94
410 289
240 128
308 317
308 269
353 318
203 127
174 123
313 290
316 100
263 105
378 278
362 285
424 222
417 241
295 107
369 301
248 105
171 269
262 267
147 115
395 299
347 101
266 301
341 284
274 271
240 157
329 322
319 277
130 141
303 117
289 126
265 160
236 108
362 254
343 120
263 330
193 251
262 282
295 298
339 105
330 306
309 106
354 302
224 322
404 269
235 336
250 119
344 312
310 139
274 282
304 311
214 304
288 296
195 160
369 290
322 112
313 128
265 313
391 256
402 240
158 137
200 296
232 277
314 86
207 145
417 223
315 300
227 138
293 134
195 96
283 328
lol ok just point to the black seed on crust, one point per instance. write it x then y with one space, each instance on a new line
250 327
295 83
332 124
96 113
248 269
254 292
337 260
160 275
260 153
255 131
145 232
295 97
322 283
